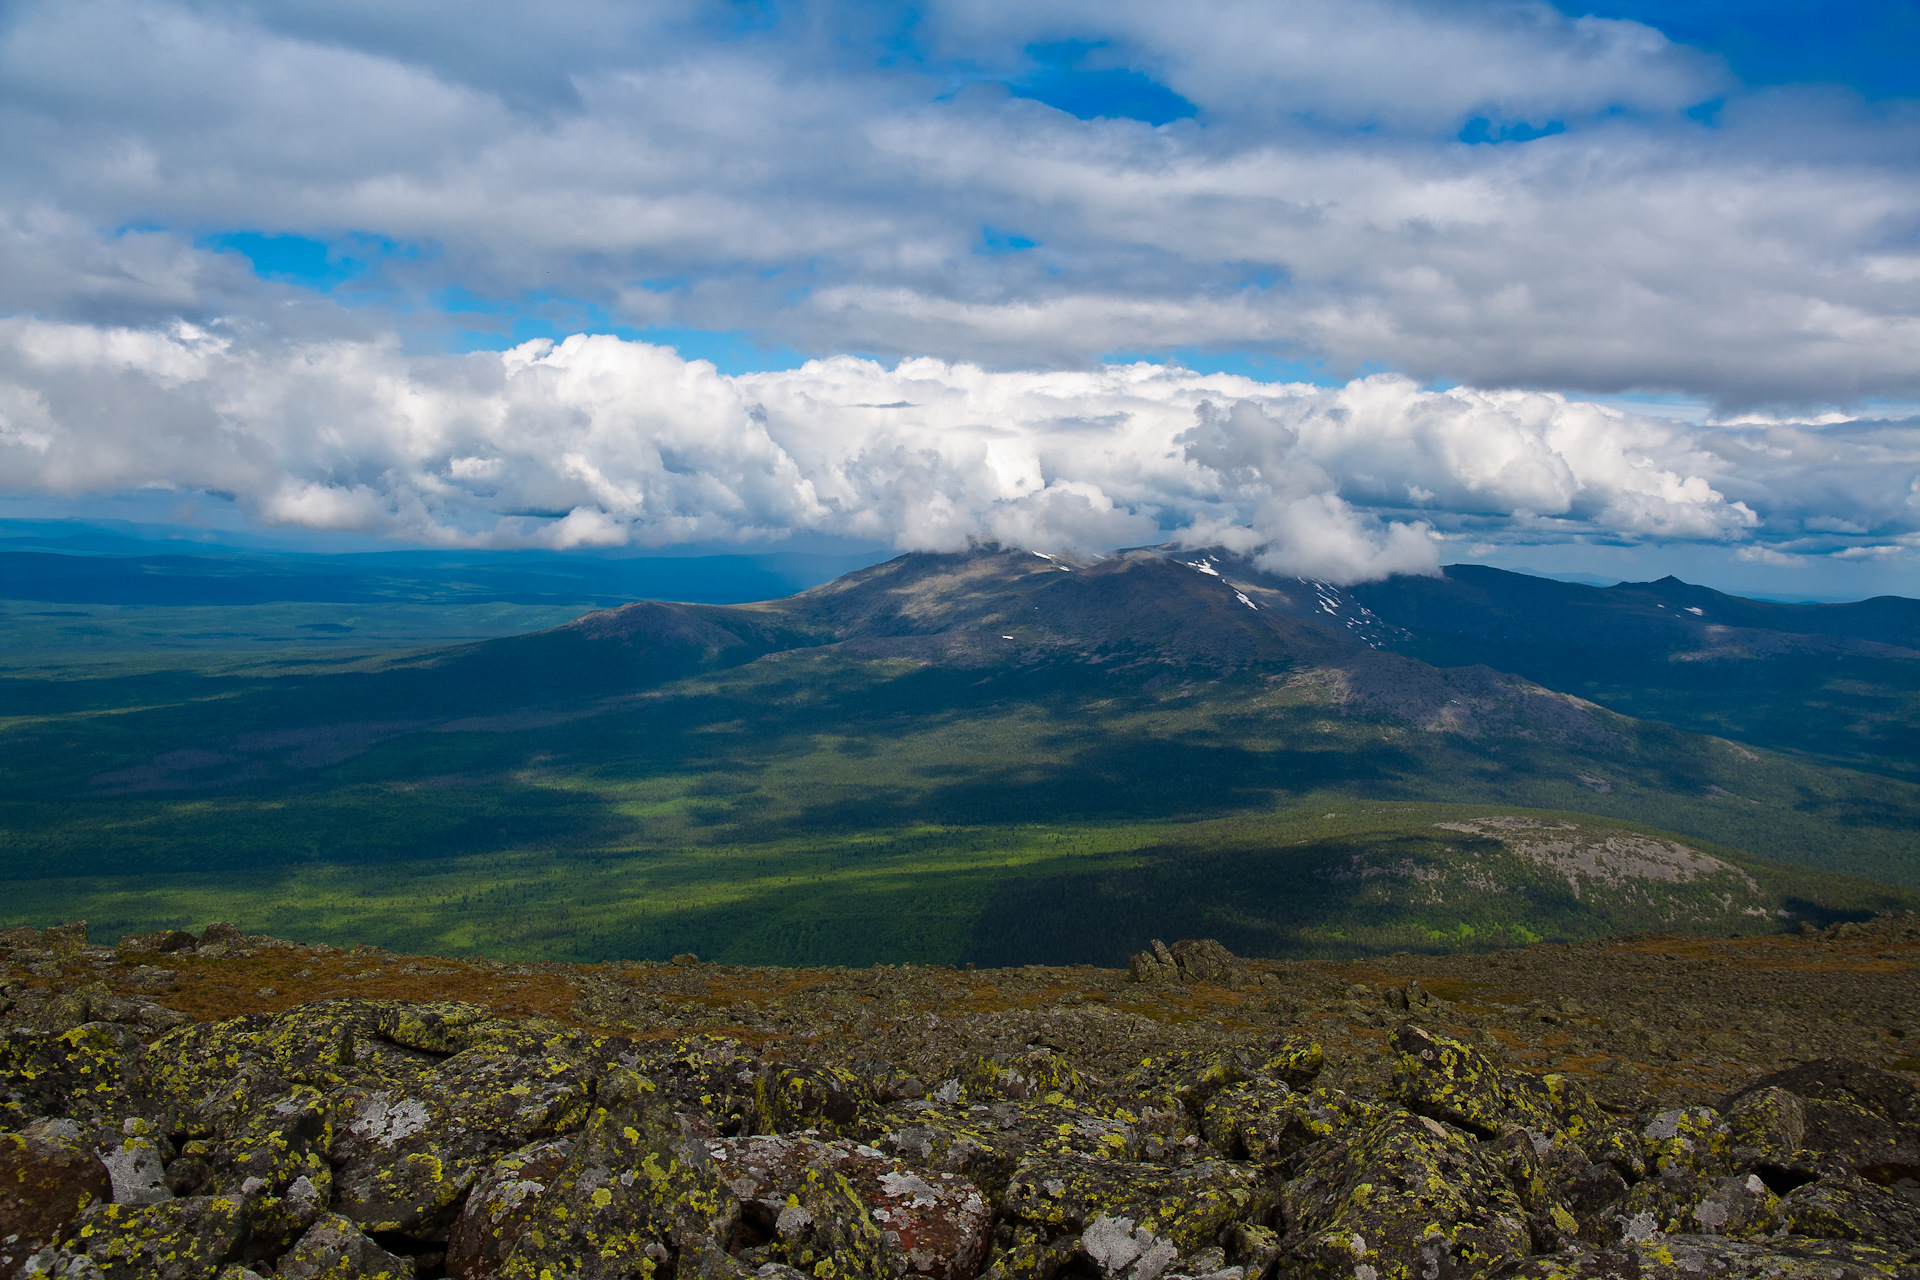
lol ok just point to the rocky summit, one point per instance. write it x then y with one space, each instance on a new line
230 1107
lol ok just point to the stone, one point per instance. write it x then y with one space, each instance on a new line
173 1240
1267 1122
1716 1258
790 1098
1405 1199
47 1179
1033 1074
931 1224
1682 1202
333 1248
499 1207
1188 1206
1848 1207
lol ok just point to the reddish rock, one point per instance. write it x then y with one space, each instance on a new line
45 1182
934 1224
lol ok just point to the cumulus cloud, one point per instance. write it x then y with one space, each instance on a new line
598 441
821 184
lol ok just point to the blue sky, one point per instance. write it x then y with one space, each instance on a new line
1591 282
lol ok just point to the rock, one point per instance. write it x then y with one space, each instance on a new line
1188 1206
1408 1197
1683 1202
1190 960
1848 1207
1763 1126
1687 1140
46 1181
1714 1258
173 1240
1448 1080
1859 1114
1033 1074
1268 1123
1202 960
64 940
95 1074
164 942
1296 1060
789 1098
634 1191
403 1157
333 1248
499 1207
220 934
931 1224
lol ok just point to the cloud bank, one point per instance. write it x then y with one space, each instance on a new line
1488 193
598 441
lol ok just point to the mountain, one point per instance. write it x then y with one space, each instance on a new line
991 752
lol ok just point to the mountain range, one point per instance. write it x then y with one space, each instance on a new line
988 753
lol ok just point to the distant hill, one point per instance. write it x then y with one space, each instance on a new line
927 752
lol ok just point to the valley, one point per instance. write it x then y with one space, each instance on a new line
998 756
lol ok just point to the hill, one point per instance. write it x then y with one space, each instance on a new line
912 756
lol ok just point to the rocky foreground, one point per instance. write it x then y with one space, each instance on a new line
228 1106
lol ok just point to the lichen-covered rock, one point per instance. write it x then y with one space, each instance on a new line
1034 1074
499 1207
333 1248
1687 1140
1682 1202
1189 960
403 1158
1715 1258
633 1193
1445 1079
1407 1199
824 1230
95 1074
1868 1118
1848 1207
1184 1082
931 1223
174 1240
1295 1060
1188 1206
985 1144
1764 1126
1268 1123
790 1098
46 1181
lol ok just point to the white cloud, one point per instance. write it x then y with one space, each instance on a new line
599 441
805 184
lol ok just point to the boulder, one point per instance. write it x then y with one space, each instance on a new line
633 1193
1717 1258
931 1224
47 1179
1187 1207
790 1098
1408 1197
1848 1207
1189 960
500 1206
173 1240
1682 1202
333 1248
1268 1123
1033 1074
1866 1117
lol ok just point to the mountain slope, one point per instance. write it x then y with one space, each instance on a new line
952 718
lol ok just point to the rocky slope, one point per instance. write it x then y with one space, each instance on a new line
235 1107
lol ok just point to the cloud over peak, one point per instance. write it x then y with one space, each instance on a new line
601 441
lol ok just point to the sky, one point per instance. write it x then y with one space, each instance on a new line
1356 288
